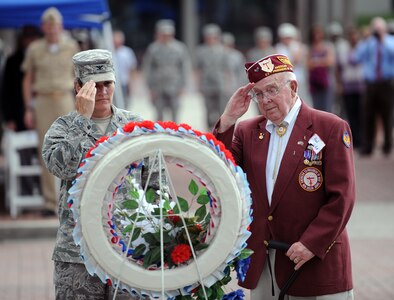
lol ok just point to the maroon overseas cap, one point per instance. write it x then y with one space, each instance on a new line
267 66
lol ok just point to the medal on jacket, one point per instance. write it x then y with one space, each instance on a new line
281 129
311 157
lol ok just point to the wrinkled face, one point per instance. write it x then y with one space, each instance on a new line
104 98
275 96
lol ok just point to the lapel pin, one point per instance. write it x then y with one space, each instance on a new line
261 136
300 143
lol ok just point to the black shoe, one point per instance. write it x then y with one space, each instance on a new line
386 150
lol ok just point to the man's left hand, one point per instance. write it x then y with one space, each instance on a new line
299 254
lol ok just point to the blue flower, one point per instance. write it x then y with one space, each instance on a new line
236 295
241 267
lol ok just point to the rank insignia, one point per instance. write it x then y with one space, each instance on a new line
310 179
346 139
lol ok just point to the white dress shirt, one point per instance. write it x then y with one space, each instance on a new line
277 147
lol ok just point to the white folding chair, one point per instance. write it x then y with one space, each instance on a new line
15 170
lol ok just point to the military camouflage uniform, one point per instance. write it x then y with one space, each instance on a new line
166 68
65 145
212 62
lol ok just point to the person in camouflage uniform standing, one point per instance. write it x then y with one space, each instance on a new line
263 44
166 68
212 69
65 145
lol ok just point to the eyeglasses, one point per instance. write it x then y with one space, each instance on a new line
269 93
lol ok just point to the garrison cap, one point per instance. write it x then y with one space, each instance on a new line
52 14
94 65
267 66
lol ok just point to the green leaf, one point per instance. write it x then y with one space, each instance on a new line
139 250
203 199
219 293
200 292
134 195
156 212
152 257
200 213
167 205
130 204
199 247
245 253
184 204
175 210
127 229
193 187
150 238
136 233
226 280
150 195
166 237
207 219
133 217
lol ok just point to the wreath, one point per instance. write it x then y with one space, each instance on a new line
164 240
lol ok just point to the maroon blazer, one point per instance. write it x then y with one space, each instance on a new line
314 212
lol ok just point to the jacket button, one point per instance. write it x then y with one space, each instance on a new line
270 218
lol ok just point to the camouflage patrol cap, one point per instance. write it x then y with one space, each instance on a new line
211 30
52 14
165 26
94 65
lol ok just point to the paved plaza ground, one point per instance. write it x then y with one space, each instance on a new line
26 243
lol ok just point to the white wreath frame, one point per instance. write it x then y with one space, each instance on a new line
98 174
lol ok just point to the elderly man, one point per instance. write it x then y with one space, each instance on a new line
48 87
65 145
299 163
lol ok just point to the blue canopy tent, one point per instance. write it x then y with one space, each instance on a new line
76 13
90 14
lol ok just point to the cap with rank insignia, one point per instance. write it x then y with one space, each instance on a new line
95 64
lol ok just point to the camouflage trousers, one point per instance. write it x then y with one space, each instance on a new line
73 282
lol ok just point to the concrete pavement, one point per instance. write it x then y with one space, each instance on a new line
26 268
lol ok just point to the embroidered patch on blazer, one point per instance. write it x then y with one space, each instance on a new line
310 179
346 139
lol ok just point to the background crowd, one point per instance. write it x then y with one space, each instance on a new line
347 71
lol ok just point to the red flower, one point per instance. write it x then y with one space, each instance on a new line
174 219
181 253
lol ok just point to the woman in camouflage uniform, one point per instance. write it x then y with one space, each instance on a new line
65 145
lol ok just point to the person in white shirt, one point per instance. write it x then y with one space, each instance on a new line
126 63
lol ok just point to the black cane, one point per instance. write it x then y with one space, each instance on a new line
284 247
